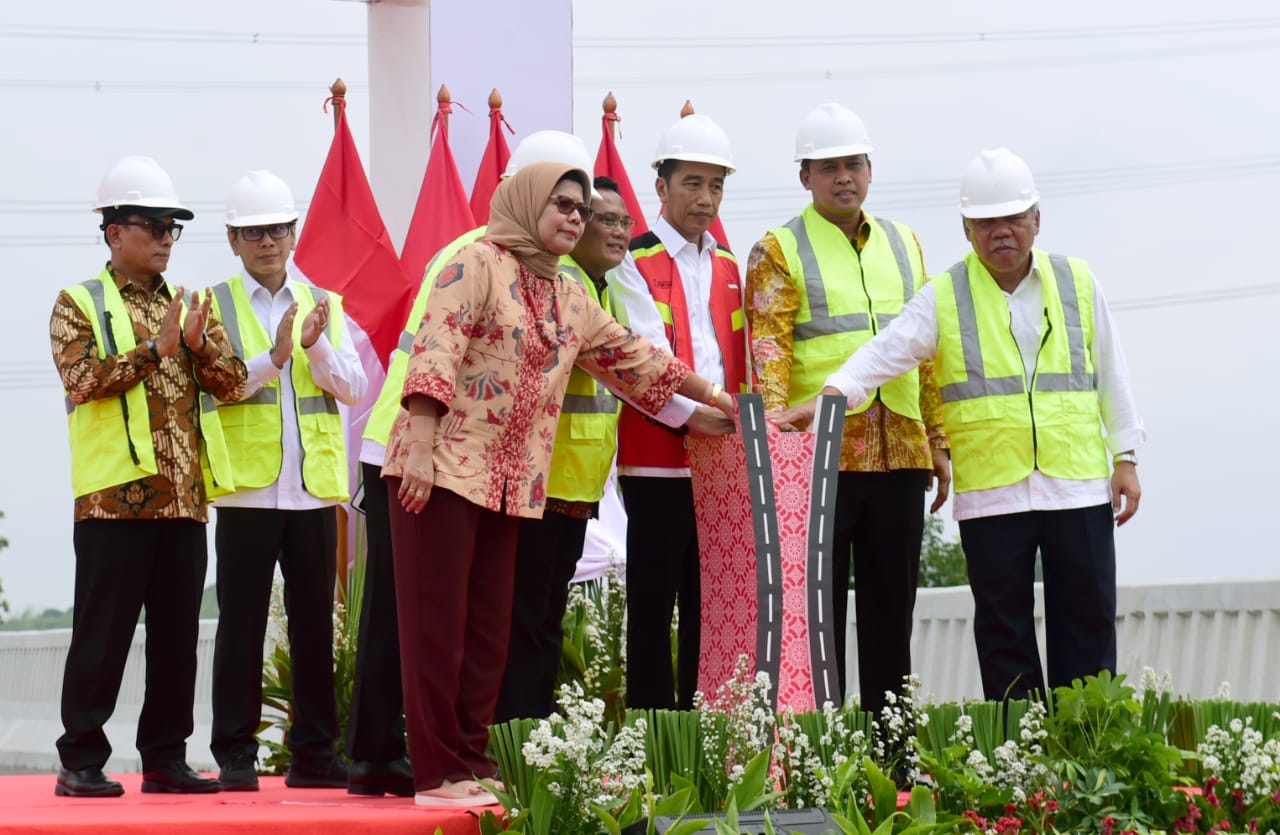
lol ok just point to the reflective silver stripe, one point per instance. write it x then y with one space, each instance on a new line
230 321
820 323
899 248
406 342
69 403
978 384
1078 379
98 295
319 404
603 403
574 273
261 397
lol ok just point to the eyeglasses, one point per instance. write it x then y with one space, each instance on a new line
158 229
612 221
567 206
277 232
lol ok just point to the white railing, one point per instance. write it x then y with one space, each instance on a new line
1201 634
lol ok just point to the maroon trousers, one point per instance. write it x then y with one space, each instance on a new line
455 570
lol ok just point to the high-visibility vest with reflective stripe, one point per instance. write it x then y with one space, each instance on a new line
847 297
587 431
387 407
254 427
111 437
1000 428
642 441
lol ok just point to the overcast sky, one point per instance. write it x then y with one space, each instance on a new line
1151 128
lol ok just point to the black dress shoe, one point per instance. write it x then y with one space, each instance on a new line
177 778
86 782
316 775
239 775
375 779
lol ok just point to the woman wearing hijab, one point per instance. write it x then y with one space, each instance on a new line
469 454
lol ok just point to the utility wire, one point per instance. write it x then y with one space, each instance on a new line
808 41
54 31
819 74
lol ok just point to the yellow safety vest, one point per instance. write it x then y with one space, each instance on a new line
387 407
1000 427
847 297
254 427
98 458
587 432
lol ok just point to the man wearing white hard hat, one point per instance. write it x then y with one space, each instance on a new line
287 441
140 366
375 731
818 287
682 290
1031 372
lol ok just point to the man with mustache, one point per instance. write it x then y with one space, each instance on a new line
681 289
1030 371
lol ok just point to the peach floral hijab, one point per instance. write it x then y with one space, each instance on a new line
518 204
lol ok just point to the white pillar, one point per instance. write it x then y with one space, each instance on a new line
401 104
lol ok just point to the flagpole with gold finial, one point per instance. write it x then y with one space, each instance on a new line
444 106
610 105
687 110
338 96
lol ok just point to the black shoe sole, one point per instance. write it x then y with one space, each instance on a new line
152 787
379 789
106 791
240 787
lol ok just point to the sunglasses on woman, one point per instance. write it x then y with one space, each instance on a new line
567 206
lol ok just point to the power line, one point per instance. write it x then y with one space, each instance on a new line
211 36
803 76
807 41
239 87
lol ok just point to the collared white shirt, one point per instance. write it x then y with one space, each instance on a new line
628 288
336 370
913 338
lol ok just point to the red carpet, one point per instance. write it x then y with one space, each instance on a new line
28 805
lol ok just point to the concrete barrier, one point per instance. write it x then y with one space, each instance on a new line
1201 634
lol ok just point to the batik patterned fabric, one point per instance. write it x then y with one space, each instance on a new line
496 346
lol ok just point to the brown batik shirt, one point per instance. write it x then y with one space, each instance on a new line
173 386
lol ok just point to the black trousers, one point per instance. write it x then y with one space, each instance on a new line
662 568
1078 555
547 555
249 541
122 567
879 521
375 727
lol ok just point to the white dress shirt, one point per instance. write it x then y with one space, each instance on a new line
336 370
913 338
628 288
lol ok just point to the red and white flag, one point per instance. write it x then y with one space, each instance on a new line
442 212
492 165
609 164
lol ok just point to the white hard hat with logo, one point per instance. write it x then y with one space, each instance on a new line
139 181
549 146
695 138
260 198
997 183
831 131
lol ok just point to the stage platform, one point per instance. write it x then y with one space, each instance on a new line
28 805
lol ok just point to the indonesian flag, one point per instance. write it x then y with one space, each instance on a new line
609 164
492 166
344 247
442 212
717 232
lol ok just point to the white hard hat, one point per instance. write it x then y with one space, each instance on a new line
260 198
549 146
997 183
695 138
831 131
139 181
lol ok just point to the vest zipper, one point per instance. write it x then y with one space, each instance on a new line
110 338
1044 340
871 314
